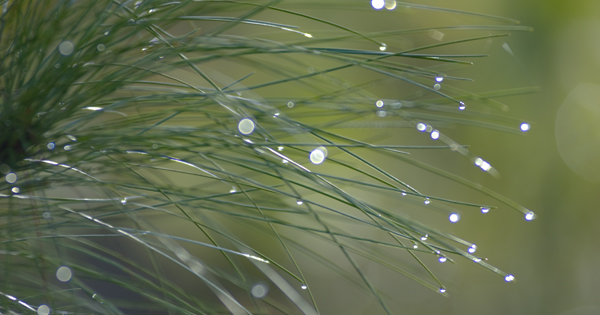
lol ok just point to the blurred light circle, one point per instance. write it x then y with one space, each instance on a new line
578 131
64 274
259 290
246 126
377 4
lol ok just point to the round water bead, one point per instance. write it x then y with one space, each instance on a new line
246 126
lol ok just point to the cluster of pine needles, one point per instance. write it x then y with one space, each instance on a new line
200 156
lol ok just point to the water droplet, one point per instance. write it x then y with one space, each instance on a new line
259 290
429 128
280 148
529 216
377 4
246 126
308 35
437 86
137 3
276 115
299 202
461 105
509 278
155 146
284 161
43 310
232 190
439 78
383 47
381 113
427 201
67 147
15 190
123 201
525 127
379 104
151 10
442 290
390 4
404 193
106 33
47 215
477 260
50 146
442 259
421 127
304 287
290 104
66 48
100 47
424 237
71 137
11 178
64 274
415 246
485 209
161 57
318 155
472 249
454 217
435 135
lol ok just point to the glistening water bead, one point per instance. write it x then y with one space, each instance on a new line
485 209
525 127
246 126
442 259
442 290
529 216
421 127
509 278
318 155
462 106
435 135
454 217
472 249
64 274
43 310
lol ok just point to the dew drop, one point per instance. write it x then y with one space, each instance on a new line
421 127
46 215
11 178
72 138
259 290
284 161
442 290
318 155
477 260
435 135
462 105
437 86
290 104
383 47
161 57
64 274
390 4
381 113
427 201
123 201
155 146
50 146
15 190
424 237
404 193
100 47
232 190
280 148
379 104
454 217
304 287
525 127
43 310
66 48
377 4
529 216
429 128
485 209
276 115
442 259
246 126
67 147
299 201
308 35
439 78
106 33
509 278
472 249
